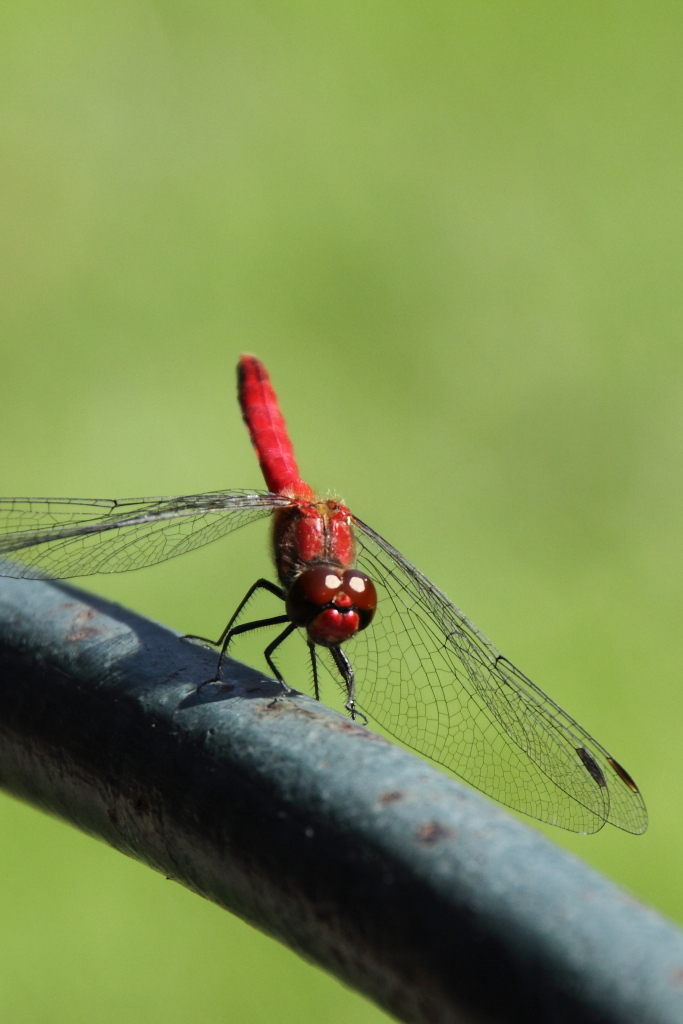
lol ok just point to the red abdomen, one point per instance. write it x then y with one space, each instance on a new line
267 430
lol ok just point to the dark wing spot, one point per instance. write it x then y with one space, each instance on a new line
623 775
591 766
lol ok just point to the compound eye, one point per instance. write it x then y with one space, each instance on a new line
360 589
319 585
311 591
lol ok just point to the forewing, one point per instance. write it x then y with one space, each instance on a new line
432 680
60 537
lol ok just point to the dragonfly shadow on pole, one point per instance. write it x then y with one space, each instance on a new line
407 657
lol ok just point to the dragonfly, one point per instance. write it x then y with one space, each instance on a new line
404 655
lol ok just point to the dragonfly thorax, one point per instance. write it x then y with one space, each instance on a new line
309 533
333 604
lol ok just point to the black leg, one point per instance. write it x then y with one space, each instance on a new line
347 674
261 584
246 627
268 653
314 666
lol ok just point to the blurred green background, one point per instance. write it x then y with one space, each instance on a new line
453 233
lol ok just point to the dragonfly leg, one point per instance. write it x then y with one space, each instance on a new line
268 653
314 666
246 627
262 584
257 624
348 675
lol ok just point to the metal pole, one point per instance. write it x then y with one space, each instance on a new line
403 883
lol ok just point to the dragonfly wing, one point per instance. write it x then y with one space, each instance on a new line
42 538
431 679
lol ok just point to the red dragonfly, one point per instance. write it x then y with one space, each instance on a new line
421 670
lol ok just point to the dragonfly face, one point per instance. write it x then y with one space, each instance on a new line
332 604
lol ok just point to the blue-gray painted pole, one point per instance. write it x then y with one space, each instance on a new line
403 883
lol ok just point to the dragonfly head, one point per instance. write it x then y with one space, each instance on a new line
333 604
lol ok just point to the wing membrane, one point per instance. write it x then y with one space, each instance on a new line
423 670
432 680
62 537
